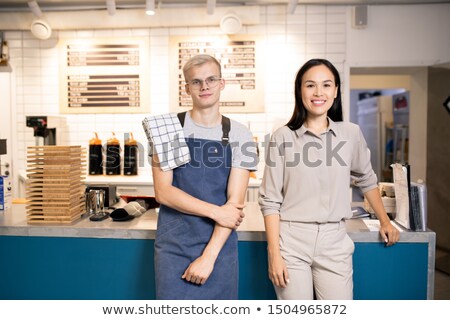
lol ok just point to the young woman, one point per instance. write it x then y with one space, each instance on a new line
304 195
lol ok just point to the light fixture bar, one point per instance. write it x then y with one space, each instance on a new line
34 6
111 7
292 5
150 7
210 6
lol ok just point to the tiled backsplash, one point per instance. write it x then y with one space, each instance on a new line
313 31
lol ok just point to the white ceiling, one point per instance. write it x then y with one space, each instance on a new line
70 5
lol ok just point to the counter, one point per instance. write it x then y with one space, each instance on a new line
13 223
114 260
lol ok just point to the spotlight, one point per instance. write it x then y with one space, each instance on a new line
111 7
210 6
230 23
150 7
41 30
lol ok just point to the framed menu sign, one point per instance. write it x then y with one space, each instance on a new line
104 75
240 57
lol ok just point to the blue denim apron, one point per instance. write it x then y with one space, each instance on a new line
181 238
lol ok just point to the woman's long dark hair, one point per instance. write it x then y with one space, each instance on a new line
299 115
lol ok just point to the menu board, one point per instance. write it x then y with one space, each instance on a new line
240 58
104 75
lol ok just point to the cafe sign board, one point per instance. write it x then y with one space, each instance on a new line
242 68
104 75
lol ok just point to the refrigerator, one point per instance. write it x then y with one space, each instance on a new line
375 117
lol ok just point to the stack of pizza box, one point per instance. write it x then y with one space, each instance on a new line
55 185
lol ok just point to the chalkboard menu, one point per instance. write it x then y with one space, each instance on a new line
241 60
104 76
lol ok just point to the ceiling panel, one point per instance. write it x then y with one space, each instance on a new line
69 5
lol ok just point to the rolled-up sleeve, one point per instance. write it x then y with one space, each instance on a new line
361 172
271 193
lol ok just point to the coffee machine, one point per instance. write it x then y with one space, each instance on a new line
44 129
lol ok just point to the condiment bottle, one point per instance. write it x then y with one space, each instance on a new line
130 158
113 156
95 156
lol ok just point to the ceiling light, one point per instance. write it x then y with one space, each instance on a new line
230 23
111 7
150 7
292 5
210 6
34 6
41 30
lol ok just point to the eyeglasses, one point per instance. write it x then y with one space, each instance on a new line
197 84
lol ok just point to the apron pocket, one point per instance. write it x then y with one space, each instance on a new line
169 226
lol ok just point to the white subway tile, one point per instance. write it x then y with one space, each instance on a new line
336 38
275 29
315 29
338 28
14 43
159 41
335 48
178 31
10 35
316 9
103 33
121 33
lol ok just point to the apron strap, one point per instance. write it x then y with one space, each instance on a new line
226 126
181 116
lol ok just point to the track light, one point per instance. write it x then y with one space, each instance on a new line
292 5
34 6
210 6
230 23
150 7
111 7
39 28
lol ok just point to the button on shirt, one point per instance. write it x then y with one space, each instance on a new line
307 177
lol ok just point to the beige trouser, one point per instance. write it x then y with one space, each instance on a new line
318 259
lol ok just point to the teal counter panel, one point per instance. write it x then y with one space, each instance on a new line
399 272
38 268
87 268
254 283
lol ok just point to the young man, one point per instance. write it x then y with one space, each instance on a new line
202 201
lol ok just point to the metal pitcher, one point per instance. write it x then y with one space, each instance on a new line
95 202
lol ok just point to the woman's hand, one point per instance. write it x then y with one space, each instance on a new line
278 273
389 233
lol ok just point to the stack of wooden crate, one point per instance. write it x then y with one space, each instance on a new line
55 184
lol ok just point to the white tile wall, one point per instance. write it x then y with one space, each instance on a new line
313 31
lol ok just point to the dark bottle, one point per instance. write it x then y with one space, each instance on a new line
130 157
113 156
95 156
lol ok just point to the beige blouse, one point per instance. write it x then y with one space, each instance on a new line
307 177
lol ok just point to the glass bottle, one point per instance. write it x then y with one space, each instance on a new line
130 158
113 156
95 156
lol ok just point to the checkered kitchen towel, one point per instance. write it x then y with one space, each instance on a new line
166 137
